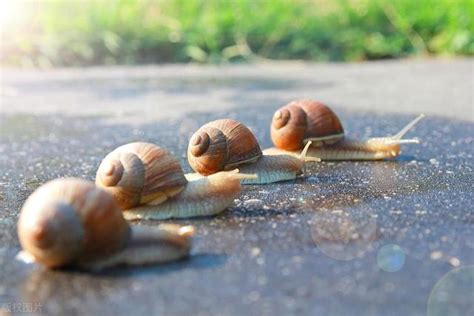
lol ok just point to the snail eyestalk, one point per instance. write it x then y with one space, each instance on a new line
397 138
407 128
303 156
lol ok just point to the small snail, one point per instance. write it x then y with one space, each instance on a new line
148 183
227 144
70 222
301 121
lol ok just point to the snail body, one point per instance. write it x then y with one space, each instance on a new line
203 196
226 144
270 169
305 120
148 183
70 222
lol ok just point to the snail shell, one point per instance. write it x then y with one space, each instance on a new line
67 220
222 145
303 120
140 173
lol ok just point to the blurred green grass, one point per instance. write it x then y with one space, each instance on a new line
65 33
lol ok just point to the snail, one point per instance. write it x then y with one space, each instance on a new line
148 183
301 121
71 223
226 144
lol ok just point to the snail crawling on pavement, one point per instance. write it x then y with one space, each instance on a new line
148 183
71 223
302 121
227 144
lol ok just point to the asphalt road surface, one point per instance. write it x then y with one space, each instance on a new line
370 238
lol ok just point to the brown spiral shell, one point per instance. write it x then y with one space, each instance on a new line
222 145
303 120
139 173
67 220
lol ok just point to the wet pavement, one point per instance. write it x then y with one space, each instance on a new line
369 238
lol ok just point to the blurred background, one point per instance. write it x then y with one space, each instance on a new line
105 32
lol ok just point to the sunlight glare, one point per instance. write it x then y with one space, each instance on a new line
11 12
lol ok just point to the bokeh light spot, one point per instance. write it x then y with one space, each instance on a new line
391 258
454 294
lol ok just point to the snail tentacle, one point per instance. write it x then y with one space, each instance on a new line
408 127
397 138
304 154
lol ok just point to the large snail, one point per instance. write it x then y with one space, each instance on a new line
227 144
301 121
70 222
148 183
